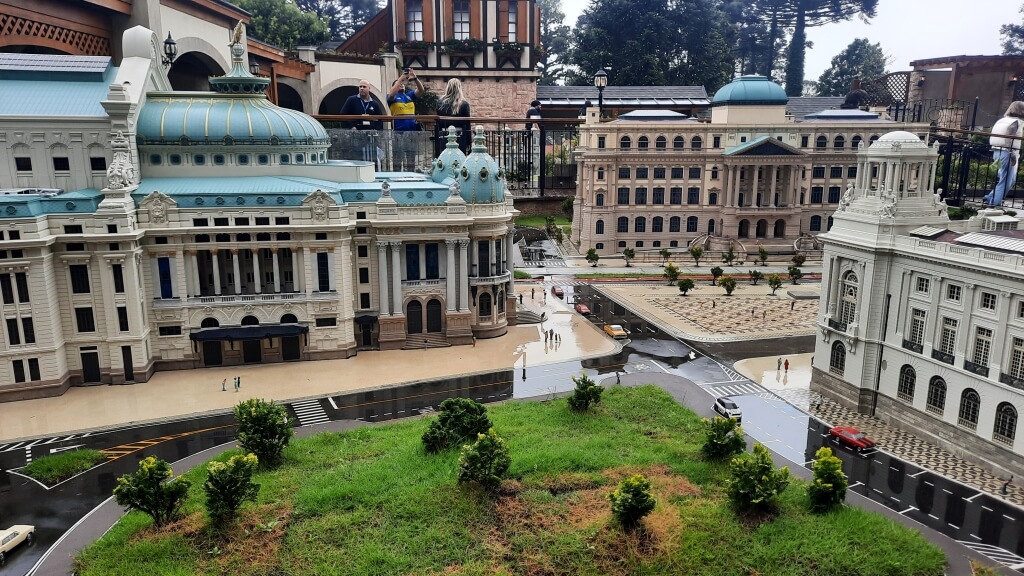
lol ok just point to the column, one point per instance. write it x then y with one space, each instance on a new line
216 273
382 278
238 277
277 272
307 271
965 332
295 269
492 267
510 261
756 184
179 274
256 270
450 281
474 254
343 278
197 285
463 274
421 247
771 189
396 277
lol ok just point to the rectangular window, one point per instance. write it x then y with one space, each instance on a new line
118 274
947 343
84 320
716 142
835 172
170 330
513 17
13 335
282 220
28 330
601 140
641 196
982 346
433 260
1017 359
242 221
673 224
917 326
73 229
323 272
1020 309
922 285
641 173
19 370
6 288
122 318
804 140
163 266
676 196
412 261
988 301
263 221
200 222
98 164
694 172
623 172
658 196
364 275
326 322
691 224
414 20
13 235
364 300
79 278
362 251
33 369
623 196
460 25
818 172
659 173
816 194
833 194
21 281
61 164
220 221
953 292
677 172
22 163
693 196
851 172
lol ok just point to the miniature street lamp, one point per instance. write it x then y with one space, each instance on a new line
600 80
170 50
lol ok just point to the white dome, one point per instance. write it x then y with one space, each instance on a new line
901 137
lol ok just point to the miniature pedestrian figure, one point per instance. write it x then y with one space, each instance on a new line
712 303
520 297
764 315
237 385
751 312
786 365
1006 486
545 336
791 305
531 293
702 304
617 379
224 385
778 364
474 341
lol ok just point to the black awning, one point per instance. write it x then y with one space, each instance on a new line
248 332
365 319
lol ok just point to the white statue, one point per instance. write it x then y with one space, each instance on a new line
844 203
385 189
889 208
236 34
454 189
121 172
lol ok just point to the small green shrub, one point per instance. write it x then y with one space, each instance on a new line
685 285
62 465
755 275
756 484
762 255
774 282
632 500
723 437
696 252
586 394
716 272
460 420
799 258
145 490
521 275
671 273
228 484
828 489
263 429
795 274
728 283
485 461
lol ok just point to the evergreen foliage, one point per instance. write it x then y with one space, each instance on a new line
460 420
685 285
723 438
1012 36
148 490
716 272
696 252
586 394
485 461
263 429
861 59
756 484
632 500
774 282
728 283
828 489
671 273
228 485
283 24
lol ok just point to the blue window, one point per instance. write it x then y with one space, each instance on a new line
659 196
600 199
641 196
623 224
658 224
673 224
641 172
691 224
659 173
675 196
640 224
816 193
833 194
164 266
677 173
623 171
694 172
433 267
599 227
815 223
693 196
623 196
323 272
485 258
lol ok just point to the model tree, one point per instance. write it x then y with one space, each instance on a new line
628 254
697 252
685 285
593 257
671 273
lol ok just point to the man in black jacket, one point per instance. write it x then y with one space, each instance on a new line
362 104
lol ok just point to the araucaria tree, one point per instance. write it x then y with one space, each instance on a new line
860 59
554 35
811 13
1012 36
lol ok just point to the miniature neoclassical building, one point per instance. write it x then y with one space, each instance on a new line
750 176
145 229
922 319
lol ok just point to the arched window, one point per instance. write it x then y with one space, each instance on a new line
289 319
873 138
691 224
485 305
711 226
820 143
640 224
855 143
678 143
830 222
658 224
243 238
779 229
744 229
970 405
837 360
250 321
599 227
815 223
283 236
905 390
625 143
673 224
713 199
623 224
501 301
209 323
600 199
642 143
848 298
1005 428
936 396
660 143
839 143
696 143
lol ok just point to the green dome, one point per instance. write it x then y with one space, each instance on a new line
451 160
480 178
750 91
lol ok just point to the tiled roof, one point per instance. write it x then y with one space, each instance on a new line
39 91
803 105
84 201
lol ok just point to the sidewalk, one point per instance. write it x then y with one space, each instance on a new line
617 265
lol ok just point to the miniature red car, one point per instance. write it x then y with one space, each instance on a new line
582 309
852 437
557 291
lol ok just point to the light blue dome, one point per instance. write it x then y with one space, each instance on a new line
482 182
750 91
207 118
450 161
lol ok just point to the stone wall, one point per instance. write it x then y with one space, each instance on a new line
539 206
491 97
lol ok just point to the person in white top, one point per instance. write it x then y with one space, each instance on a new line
1006 151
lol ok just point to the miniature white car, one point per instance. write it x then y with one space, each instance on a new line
12 537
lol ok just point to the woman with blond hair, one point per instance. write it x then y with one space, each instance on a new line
454 104
1005 151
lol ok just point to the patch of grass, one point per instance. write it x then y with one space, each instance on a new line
614 275
539 221
62 465
522 275
371 501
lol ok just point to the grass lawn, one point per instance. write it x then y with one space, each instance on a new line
538 221
370 501
62 465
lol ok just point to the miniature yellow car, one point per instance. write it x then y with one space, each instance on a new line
12 537
615 331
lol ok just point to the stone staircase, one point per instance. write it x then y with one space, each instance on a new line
526 316
421 341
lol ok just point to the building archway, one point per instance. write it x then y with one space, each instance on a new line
288 97
762 229
434 316
414 317
191 71
780 228
744 229
209 323
250 321
335 94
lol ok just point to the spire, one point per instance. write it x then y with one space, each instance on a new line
238 80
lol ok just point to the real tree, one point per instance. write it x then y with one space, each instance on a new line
1012 36
283 24
861 59
343 17
809 14
554 36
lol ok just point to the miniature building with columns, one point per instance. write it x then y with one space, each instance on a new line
921 321
153 230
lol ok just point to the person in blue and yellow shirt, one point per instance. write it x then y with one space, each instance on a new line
403 102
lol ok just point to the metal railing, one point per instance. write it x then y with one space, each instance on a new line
966 172
535 162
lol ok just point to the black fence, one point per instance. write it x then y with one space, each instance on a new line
966 170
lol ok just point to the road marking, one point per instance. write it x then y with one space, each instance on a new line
973 497
115 452
63 448
908 510
331 400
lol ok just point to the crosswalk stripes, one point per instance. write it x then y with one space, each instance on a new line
310 412
1004 557
732 374
738 389
11 446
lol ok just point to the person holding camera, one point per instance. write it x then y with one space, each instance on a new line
1005 151
403 102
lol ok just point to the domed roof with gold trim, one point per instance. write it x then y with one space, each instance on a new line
481 180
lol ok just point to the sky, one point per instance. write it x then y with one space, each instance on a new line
908 30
